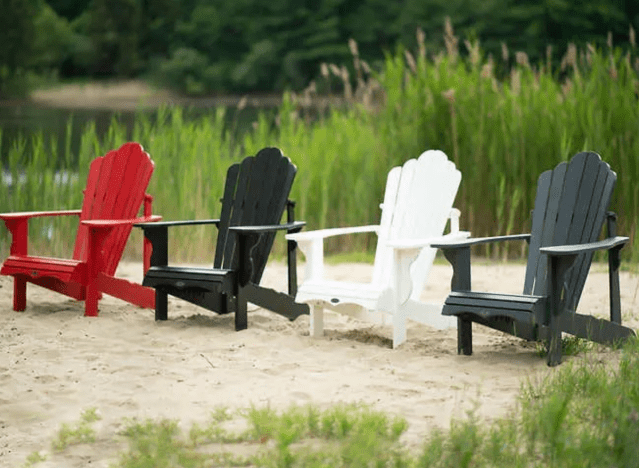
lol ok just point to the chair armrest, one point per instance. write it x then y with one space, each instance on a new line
401 244
324 233
111 223
480 240
294 226
606 244
154 225
37 214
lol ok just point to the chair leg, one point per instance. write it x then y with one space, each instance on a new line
399 327
317 320
241 313
161 305
19 294
554 343
91 301
464 336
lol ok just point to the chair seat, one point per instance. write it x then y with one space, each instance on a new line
205 279
523 308
66 270
340 292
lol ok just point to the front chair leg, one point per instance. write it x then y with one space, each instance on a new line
161 305
317 320
19 294
464 336
241 311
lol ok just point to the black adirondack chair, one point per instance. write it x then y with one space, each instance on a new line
570 208
255 197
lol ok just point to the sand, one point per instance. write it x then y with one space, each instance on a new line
55 363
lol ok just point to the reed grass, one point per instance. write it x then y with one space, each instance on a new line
502 121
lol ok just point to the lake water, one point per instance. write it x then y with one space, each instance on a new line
24 120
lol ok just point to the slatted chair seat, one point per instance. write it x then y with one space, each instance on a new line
254 199
204 279
418 204
114 194
488 305
570 210
64 270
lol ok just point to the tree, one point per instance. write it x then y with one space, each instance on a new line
16 37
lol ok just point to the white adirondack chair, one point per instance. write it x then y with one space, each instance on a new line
417 205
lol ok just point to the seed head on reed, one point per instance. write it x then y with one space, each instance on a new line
631 37
549 58
421 43
609 39
515 81
348 90
242 104
449 95
352 45
411 61
449 38
570 59
473 51
324 70
613 69
504 52
522 59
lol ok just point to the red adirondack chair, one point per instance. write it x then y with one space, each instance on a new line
114 193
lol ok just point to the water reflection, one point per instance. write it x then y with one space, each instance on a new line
19 122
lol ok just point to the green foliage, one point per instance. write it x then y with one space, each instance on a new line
53 42
78 433
16 36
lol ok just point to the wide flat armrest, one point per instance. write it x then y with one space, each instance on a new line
479 240
110 223
37 214
426 242
605 244
324 233
193 222
270 228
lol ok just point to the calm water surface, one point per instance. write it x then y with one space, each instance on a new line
19 121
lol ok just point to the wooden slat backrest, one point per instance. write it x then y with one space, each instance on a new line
255 194
417 203
115 189
570 208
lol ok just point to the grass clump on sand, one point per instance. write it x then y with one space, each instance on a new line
345 435
584 414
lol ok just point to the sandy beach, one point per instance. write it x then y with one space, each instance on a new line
55 363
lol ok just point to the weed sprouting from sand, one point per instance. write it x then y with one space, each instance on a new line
33 459
79 433
570 346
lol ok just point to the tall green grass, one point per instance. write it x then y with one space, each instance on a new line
501 132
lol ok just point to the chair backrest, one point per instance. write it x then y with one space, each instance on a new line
115 189
418 200
570 208
255 194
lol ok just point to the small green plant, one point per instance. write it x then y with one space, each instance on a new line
79 433
33 459
570 346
